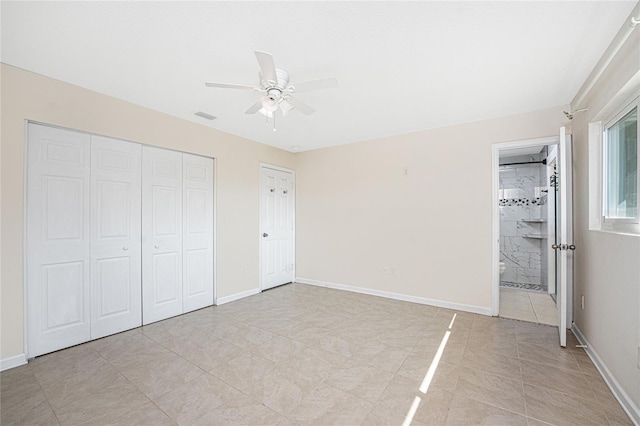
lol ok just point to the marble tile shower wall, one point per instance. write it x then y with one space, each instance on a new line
522 211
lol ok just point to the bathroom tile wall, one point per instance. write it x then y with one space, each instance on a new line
522 199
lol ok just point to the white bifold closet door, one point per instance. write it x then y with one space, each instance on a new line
118 234
177 237
58 239
197 237
161 234
83 238
116 283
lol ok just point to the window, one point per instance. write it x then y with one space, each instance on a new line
620 168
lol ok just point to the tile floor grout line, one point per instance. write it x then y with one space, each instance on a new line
123 376
524 395
492 404
569 394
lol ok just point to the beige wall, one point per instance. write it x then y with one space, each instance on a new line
357 211
28 96
607 266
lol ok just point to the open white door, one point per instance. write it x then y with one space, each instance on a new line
276 227
564 246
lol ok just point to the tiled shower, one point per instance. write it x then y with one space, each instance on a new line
523 222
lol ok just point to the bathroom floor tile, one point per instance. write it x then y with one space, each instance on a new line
528 306
522 315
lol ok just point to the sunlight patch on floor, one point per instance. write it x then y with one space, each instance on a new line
426 382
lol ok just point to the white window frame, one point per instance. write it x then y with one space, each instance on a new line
618 225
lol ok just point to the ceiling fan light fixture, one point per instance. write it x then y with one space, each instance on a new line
285 107
270 103
266 112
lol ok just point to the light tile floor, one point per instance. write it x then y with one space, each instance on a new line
308 355
528 306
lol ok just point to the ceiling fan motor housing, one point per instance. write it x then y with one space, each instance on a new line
281 84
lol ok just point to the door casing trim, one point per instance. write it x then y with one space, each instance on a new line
495 227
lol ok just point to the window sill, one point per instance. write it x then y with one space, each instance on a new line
624 232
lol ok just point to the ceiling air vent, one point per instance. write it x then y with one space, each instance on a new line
205 115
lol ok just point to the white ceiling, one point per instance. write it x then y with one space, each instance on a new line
401 66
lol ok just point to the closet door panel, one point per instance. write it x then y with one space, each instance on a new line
116 302
58 241
161 234
197 232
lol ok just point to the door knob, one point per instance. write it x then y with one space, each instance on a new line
265 235
555 246
572 247
125 248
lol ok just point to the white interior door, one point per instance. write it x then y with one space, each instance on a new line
197 237
161 234
277 227
58 239
565 245
551 176
116 303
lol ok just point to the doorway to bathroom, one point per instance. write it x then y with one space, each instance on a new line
532 212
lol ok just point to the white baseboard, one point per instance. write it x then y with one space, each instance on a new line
14 361
397 296
623 398
237 296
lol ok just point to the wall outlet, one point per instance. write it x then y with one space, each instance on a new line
582 302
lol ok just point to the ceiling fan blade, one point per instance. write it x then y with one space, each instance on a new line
300 106
315 85
285 107
255 107
267 66
229 85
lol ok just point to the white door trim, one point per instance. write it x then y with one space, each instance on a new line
215 231
495 184
25 249
293 177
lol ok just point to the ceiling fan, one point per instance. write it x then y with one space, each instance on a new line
276 89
